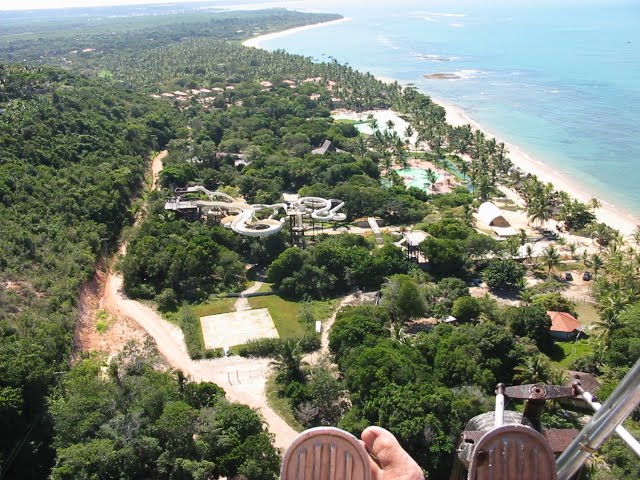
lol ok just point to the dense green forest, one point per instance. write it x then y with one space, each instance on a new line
74 146
74 152
137 422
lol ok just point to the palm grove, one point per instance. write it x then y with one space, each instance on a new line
74 150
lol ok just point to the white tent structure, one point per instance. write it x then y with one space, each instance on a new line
492 216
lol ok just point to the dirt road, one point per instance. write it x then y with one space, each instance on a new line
156 168
243 379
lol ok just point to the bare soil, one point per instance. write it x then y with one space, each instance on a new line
118 330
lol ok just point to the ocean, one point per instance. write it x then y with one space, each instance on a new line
561 80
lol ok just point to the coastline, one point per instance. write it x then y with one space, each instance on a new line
615 217
618 218
256 42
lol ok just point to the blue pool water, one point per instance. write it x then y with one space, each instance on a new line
416 177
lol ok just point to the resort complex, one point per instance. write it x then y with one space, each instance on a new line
219 261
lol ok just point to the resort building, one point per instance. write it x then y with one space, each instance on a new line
491 216
411 240
564 326
327 146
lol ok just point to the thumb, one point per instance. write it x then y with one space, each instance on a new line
394 462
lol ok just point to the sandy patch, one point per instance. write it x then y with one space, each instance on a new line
236 328
256 42
382 117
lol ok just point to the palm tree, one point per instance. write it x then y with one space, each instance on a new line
431 178
528 251
596 263
607 323
522 235
550 257
539 211
408 132
288 362
361 146
390 125
594 203
636 236
536 369
464 169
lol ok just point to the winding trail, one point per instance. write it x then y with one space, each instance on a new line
316 357
156 168
243 379
242 303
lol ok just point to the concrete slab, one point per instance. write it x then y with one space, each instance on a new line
236 328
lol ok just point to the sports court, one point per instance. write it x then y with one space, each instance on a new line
236 328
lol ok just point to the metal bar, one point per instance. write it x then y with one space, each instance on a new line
499 415
622 401
622 432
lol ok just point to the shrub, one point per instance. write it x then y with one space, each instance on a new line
190 325
260 347
503 274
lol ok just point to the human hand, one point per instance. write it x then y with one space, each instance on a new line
393 463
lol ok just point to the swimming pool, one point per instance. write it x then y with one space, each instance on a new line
416 177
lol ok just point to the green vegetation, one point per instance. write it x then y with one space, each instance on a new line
280 404
74 147
103 321
284 314
214 307
572 351
129 420
334 264
73 152
503 274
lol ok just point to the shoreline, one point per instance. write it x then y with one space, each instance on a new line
619 218
256 41
616 217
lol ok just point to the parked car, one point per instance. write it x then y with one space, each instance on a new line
568 277
586 276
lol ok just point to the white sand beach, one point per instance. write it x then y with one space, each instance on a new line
616 217
613 216
257 41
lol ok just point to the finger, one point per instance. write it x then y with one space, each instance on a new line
382 445
376 471
393 461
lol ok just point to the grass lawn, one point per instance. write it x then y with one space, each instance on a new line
587 313
565 267
281 404
566 352
285 313
266 287
221 305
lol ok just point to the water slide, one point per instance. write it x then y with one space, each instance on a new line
322 208
241 217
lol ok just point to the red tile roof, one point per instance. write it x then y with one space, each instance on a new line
564 322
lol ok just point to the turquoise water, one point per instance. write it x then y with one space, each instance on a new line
415 177
559 79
